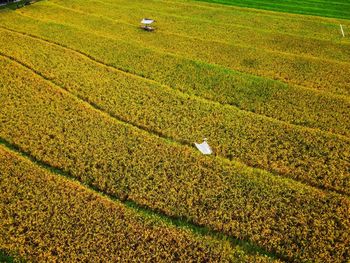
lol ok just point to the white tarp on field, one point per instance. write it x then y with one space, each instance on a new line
147 21
204 147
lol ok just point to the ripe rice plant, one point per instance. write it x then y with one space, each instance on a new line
288 103
47 218
328 48
280 215
119 21
309 156
98 120
311 27
321 74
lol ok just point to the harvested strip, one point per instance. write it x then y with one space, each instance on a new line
309 156
49 218
320 74
282 216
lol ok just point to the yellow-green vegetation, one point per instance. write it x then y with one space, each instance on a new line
313 72
315 157
119 20
86 94
293 104
274 213
50 218
199 18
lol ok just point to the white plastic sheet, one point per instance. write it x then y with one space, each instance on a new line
204 147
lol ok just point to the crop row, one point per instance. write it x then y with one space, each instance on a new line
271 98
114 21
297 222
314 73
311 27
292 104
309 156
45 218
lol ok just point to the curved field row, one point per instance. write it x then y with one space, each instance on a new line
320 74
270 98
117 19
309 156
45 217
282 216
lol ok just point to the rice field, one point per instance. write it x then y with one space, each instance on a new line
98 121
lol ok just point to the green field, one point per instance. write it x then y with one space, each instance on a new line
98 121
334 8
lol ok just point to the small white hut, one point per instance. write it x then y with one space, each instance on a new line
146 22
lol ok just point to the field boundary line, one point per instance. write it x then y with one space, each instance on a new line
288 54
160 135
173 221
199 98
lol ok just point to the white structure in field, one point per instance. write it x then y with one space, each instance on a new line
204 147
147 21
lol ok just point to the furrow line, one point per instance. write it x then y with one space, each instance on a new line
181 223
160 135
204 40
220 23
250 27
200 98
94 105
163 51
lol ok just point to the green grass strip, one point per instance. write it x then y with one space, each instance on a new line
323 8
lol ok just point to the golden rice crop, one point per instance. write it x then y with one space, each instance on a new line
310 156
311 72
119 20
288 103
200 14
67 102
47 218
282 216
